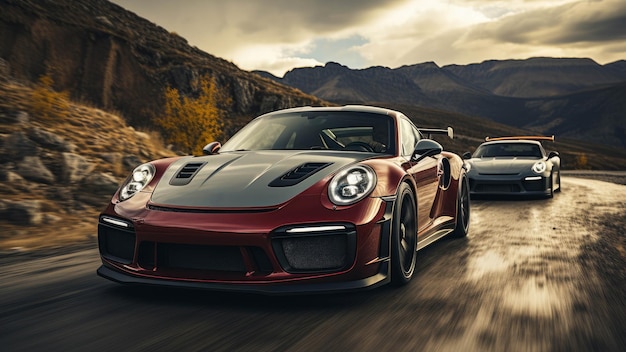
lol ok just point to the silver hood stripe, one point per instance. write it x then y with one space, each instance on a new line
241 179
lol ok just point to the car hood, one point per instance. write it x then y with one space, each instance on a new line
502 166
247 179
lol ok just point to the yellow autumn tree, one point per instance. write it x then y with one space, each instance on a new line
190 123
582 162
47 103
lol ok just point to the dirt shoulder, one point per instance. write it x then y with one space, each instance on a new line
617 177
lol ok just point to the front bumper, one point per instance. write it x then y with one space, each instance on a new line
256 252
502 185
282 289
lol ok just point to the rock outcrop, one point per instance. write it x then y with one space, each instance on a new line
102 54
57 174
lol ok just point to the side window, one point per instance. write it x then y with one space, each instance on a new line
410 136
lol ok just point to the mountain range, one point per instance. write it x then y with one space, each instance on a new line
569 97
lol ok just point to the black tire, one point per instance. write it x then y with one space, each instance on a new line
462 210
558 181
551 195
403 237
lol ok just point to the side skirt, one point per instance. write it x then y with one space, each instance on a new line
436 235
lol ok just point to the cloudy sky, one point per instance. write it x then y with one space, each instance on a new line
278 35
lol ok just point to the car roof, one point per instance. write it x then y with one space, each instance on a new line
345 108
512 141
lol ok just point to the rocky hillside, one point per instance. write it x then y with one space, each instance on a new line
56 174
115 60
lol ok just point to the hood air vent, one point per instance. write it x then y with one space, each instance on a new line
298 174
186 173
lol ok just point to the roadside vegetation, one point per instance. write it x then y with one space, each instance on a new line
190 123
46 103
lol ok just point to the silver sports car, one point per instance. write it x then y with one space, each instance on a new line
514 166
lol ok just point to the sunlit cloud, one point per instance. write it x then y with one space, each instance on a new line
275 59
414 32
279 35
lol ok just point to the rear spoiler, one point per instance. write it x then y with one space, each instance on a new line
512 138
430 131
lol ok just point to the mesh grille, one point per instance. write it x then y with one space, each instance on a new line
116 243
316 253
534 185
201 257
317 250
498 188
214 258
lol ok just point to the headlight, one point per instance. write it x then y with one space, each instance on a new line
351 185
539 167
141 176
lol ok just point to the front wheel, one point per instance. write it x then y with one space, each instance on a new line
558 181
463 210
403 237
551 194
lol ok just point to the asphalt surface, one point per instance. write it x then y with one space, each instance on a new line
533 275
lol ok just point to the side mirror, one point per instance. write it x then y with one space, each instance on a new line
467 155
211 148
552 154
424 148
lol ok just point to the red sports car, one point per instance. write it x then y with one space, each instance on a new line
302 200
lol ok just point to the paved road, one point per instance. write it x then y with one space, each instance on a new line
533 275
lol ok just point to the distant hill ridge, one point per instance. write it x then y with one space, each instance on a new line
571 97
538 77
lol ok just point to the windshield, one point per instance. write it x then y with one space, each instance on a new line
335 130
512 150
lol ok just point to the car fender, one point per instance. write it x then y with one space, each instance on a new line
389 176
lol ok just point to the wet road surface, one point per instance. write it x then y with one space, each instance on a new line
533 275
